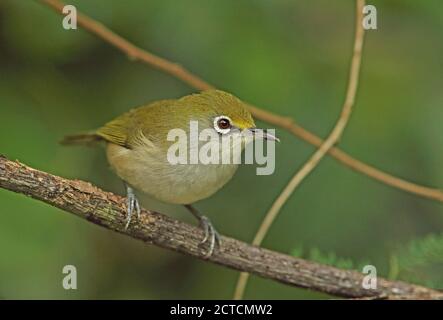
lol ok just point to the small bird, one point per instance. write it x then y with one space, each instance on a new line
137 149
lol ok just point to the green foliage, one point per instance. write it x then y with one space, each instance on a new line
421 261
328 258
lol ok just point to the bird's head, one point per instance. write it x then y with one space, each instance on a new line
225 113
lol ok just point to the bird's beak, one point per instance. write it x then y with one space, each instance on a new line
261 133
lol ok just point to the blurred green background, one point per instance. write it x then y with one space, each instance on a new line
290 57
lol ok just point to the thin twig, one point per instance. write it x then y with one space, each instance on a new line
315 159
287 123
108 210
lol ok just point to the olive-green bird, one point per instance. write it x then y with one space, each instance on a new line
137 148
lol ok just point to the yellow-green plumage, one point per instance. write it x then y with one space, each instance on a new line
136 145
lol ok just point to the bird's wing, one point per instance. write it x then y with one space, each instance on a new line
126 129
117 130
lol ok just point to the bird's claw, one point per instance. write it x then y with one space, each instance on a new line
131 204
211 235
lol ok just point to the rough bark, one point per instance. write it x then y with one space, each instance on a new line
108 210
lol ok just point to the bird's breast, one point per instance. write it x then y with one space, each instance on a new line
148 170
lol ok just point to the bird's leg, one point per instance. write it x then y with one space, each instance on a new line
211 235
131 204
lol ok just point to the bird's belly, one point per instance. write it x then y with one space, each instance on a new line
153 175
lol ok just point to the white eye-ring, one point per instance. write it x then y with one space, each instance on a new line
222 124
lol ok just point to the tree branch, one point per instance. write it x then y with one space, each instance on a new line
174 69
108 210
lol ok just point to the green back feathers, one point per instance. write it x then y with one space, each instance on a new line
154 120
126 129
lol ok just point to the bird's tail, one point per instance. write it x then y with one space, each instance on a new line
87 138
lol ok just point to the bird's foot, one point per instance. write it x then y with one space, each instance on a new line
211 235
131 204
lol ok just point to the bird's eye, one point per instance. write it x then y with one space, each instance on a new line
222 124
